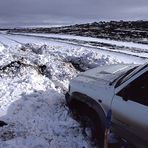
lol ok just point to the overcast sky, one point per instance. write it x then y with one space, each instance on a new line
43 12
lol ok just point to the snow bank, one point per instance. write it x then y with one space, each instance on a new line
1 47
33 80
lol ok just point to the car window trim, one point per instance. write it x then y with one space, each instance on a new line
122 86
137 100
134 72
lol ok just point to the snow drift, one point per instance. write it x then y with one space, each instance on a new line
33 80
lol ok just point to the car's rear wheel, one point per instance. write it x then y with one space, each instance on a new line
88 118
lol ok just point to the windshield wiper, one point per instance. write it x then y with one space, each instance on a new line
123 76
115 79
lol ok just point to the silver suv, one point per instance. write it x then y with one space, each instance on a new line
121 88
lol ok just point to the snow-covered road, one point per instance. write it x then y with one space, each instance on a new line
132 48
34 75
130 51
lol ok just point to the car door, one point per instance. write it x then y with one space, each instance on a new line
130 107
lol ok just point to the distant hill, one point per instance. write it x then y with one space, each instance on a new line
136 31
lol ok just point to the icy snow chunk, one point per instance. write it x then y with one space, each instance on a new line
1 47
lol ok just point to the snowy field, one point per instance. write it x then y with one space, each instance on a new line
34 76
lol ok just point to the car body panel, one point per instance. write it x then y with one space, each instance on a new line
107 73
95 83
131 117
94 90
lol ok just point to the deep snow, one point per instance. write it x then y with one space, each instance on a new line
34 76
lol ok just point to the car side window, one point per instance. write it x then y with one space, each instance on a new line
137 90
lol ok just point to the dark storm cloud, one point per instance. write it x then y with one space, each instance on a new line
57 11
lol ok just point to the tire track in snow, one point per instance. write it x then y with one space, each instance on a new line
103 48
15 41
5 45
76 43
104 52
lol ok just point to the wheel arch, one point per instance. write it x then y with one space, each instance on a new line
83 98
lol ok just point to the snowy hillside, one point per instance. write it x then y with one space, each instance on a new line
34 76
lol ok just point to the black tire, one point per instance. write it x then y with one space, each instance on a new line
88 118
